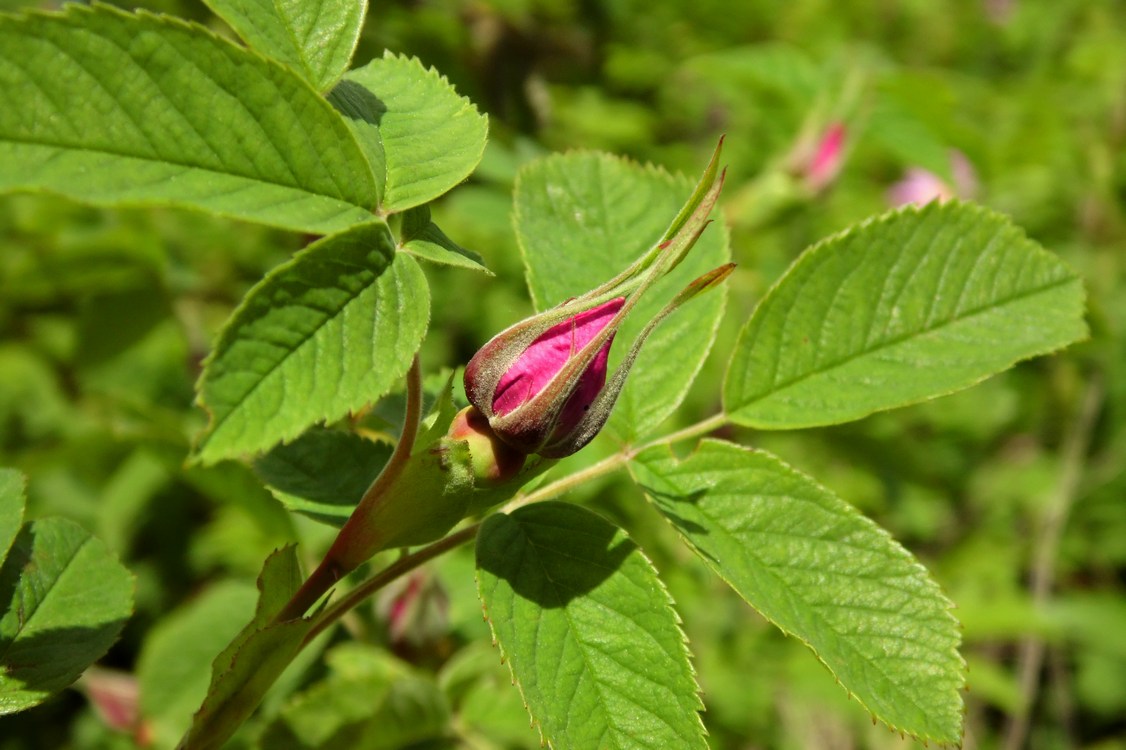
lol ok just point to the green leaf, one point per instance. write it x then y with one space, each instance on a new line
909 306
323 473
580 219
370 700
114 108
822 572
422 238
322 335
588 631
245 670
64 598
12 500
316 39
414 126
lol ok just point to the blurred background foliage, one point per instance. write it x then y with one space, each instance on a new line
1012 493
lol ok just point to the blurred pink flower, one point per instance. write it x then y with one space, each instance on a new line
828 156
920 186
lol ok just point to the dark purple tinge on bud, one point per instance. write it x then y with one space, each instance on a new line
547 355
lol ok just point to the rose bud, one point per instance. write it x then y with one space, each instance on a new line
542 384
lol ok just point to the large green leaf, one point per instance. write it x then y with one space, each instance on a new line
912 305
111 108
822 572
316 39
588 631
413 126
64 598
324 334
583 217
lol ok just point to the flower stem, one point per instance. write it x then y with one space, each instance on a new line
613 463
330 570
396 569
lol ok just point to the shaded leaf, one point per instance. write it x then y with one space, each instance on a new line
822 572
906 307
422 238
64 598
587 629
323 473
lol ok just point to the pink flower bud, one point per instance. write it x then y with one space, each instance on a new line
828 157
543 384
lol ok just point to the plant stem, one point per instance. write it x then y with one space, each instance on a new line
553 489
1073 452
613 463
393 571
330 571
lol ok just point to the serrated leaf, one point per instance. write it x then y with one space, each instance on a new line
316 39
580 219
323 473
370 700
64 598
245 669
422 238
412 123
906 307
115 108
822 572
588 631
322 335
12 500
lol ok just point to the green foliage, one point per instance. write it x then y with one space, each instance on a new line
369 700
335 142
576 610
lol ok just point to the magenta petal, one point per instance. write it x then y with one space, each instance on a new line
547 355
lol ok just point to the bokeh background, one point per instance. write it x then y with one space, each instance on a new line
1012 493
